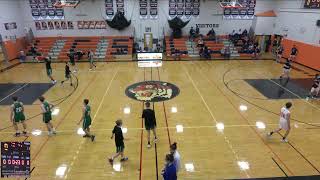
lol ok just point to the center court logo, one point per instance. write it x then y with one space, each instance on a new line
152 91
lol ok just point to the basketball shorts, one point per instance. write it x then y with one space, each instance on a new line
49 72
119 147
283 124
286 71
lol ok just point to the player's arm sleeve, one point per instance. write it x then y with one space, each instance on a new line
43 109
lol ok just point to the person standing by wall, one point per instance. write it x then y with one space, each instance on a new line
169 171
176 156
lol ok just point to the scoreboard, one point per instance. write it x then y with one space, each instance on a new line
312 4
15 159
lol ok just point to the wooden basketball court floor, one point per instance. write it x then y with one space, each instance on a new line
204 101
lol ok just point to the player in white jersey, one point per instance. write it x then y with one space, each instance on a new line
284 123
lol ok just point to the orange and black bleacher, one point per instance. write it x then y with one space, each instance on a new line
83 44
119 45
180 44
43 46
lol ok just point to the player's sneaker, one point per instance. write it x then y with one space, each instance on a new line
110 161
124 159
54 132
92 137
149 146
155 140
25 133
284 140
17 134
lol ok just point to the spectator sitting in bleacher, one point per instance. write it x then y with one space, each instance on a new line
176 54
212 34
118 51
197 32
226 52
200 42
191 34
201 52
206 53
22 56
33 51
245 33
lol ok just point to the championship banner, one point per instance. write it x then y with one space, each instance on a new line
45 10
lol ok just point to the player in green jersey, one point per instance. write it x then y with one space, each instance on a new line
17 116
86 118
46 108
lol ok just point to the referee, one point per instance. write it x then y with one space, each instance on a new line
150 122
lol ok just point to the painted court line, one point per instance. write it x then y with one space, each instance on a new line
213 117
75 157
173 127
14 92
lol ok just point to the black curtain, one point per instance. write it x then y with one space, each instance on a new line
119 21
176 24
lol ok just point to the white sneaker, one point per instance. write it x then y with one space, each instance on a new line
49 133
284 140
149 146
74 71
54 132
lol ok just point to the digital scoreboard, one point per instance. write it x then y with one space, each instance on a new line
149 60
15 159
312 4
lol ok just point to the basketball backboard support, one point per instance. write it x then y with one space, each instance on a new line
66 3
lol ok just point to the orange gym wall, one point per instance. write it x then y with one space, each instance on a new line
308 54
13 48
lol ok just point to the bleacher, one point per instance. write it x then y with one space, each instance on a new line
43 46
120 48
180 44
104 48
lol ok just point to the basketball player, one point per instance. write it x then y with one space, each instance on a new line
294 52
117 132
314 92
279 52
149 122
86 118
46 112
67 74
72 60
284 123
17 116
90 57
286 70
47 60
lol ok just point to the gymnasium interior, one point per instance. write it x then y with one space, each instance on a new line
212 71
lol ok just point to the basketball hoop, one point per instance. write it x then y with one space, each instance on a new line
66 3
230 4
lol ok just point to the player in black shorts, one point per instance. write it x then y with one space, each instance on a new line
279 53
47 61
294 52
117 133
149 122
67 74
72 60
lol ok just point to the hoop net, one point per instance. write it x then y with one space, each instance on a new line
66 3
